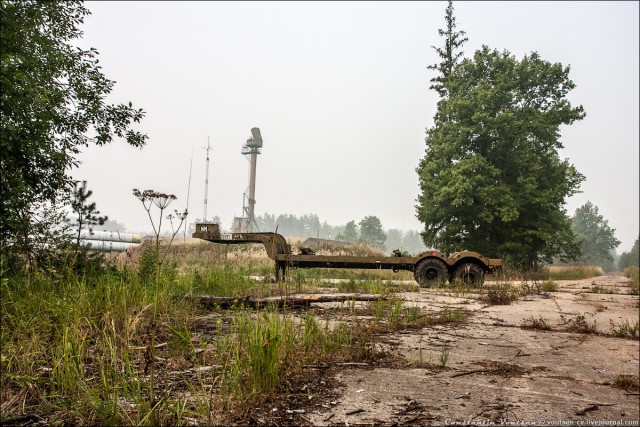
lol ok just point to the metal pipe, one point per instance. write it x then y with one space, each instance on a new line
106 246
110 236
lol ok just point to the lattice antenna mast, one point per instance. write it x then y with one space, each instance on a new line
184 232
206 184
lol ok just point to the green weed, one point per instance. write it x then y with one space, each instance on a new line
625 329
533 323
597 289
393 314
549 286
577 272
579 324
450 315
633 273
500 294
626 381
444 356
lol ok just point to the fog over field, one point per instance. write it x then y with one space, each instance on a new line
340 91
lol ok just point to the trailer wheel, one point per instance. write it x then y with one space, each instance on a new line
469 273
430 271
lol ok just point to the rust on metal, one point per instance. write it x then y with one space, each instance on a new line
428 267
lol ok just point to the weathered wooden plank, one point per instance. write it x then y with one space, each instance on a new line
294 300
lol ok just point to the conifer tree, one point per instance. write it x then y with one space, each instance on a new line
450 54
87 214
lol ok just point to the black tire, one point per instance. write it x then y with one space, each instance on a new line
469 273
430 271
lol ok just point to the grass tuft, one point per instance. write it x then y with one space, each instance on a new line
533 323
626 381
625 329
549 286
580 325
444 356
597 289
500 294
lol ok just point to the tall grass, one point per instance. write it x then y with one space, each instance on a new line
633 273
123 347
70 341
549 273
573 272
353 274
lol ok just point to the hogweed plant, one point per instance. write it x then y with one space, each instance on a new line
150 198
174 230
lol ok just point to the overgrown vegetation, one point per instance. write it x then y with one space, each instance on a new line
625 329
572 272
500 294
125 347
597 289
84 352
494 143
597 239
539 323
549 286
579 324
53 97
633 273
627 381
631 258
122 344
84 349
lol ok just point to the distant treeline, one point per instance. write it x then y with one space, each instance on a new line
309 225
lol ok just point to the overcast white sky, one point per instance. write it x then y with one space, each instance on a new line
340 93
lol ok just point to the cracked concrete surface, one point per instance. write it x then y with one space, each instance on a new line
497 371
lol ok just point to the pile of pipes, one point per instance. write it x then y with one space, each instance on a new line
109 241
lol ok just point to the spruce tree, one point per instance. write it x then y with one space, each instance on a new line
86 213
450 54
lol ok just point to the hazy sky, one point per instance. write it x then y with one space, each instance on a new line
340 93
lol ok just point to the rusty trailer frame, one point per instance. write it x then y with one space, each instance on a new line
428 267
